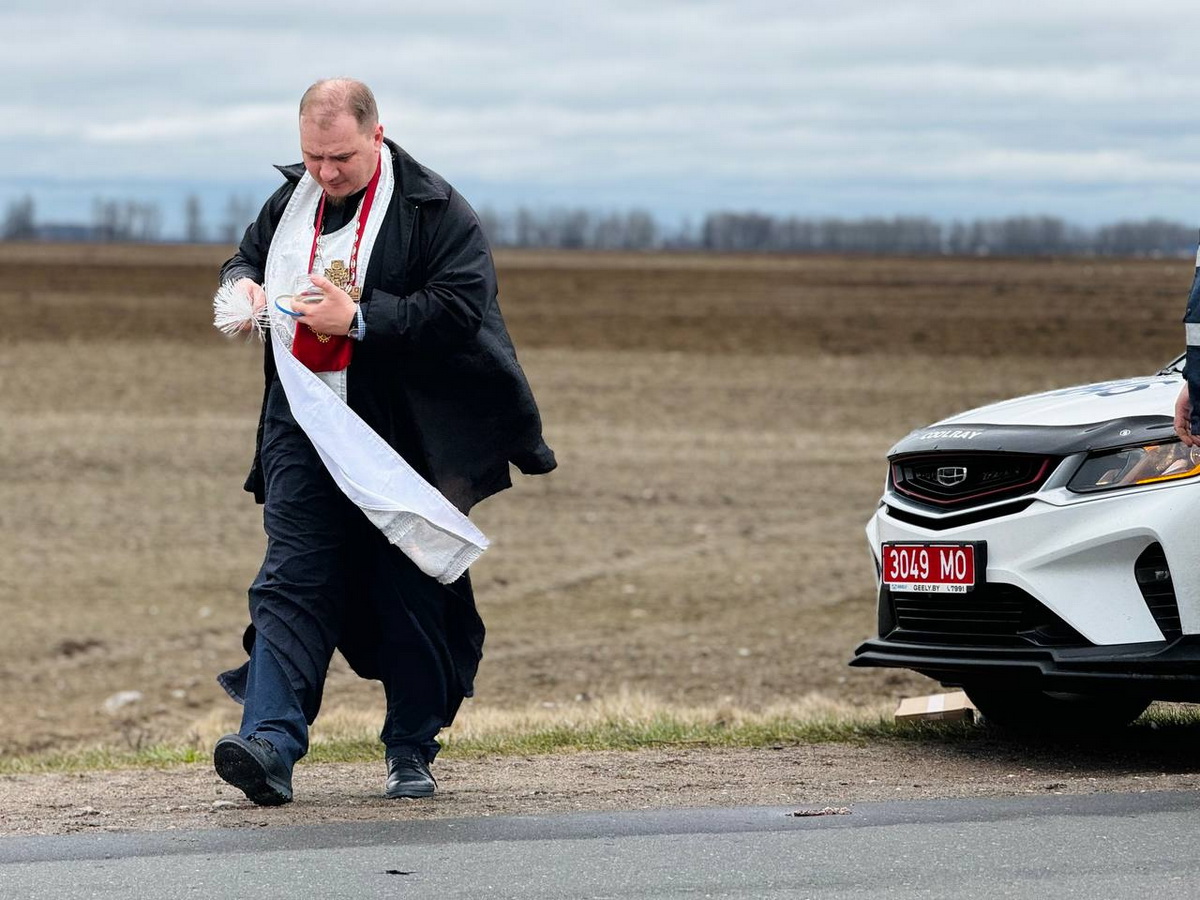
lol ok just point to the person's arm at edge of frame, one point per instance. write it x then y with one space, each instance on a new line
1187 405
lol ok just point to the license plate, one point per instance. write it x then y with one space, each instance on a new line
931 568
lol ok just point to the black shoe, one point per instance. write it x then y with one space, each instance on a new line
408 775
252 765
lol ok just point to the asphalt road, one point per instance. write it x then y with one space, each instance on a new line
1099 847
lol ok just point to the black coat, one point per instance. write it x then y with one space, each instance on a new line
436 375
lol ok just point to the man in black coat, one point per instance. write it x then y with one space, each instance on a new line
433 372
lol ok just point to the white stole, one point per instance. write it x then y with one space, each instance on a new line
410 512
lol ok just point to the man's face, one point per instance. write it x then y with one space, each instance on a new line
339 156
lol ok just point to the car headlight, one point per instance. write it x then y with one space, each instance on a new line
1133 466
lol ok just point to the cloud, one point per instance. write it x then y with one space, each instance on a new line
198 125
711 104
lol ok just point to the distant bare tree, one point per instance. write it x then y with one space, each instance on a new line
106 220
194 231
637 229
149 223
19 224
1154 237
239 213
683 238
569 228
750 231
609 232
737 231
641 231
494 227
526 231
126 220
958 240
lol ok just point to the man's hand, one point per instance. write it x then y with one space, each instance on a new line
1183 417
333 314
258 299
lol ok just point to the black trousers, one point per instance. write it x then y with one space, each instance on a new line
330 580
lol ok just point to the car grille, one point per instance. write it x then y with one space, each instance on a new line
944 522
951 480
1154 581
999 615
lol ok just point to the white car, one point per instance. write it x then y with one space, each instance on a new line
1044 554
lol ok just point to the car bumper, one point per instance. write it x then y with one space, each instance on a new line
1076 555
1164 671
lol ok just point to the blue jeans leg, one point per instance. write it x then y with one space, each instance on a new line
272 710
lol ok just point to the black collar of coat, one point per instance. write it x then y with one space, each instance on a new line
415 182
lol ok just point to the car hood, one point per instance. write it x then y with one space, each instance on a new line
1082 405
1068 420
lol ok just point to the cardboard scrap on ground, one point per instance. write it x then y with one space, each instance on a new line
952 707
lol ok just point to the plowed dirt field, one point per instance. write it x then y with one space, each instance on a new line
721 425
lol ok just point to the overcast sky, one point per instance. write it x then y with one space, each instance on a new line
950 108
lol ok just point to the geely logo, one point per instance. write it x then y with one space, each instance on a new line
948 476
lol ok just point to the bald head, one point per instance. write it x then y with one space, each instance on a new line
329 98
340 136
